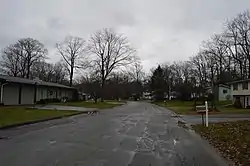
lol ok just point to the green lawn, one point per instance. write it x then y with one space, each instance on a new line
232 110
231 138
180 107
223 103
92 104
18 115
187 107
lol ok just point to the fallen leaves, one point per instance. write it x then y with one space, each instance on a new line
232 139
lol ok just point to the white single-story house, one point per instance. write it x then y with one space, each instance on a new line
241 92
222 92
18 91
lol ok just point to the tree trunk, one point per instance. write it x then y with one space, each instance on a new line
95 98
241 71
213 90
28 67
102 91
248 67
71 76
28 73
168 92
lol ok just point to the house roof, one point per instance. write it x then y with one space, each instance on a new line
220 85
239 81
28 81
224 85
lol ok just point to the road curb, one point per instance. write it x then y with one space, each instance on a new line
38 121
181 120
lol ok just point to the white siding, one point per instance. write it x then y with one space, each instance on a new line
222 95
240 91
44 92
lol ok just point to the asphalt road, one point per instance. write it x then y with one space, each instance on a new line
136 134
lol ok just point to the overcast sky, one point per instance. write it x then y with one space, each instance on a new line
160 30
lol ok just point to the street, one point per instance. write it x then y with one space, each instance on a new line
136 134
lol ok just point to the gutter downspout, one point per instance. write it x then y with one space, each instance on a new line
2 91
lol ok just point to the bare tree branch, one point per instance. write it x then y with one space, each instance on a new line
72 50
110 51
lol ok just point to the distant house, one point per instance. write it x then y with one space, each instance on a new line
222 92
241 92
17 91
172 95
146 95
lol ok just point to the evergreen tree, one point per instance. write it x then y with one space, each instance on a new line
158 83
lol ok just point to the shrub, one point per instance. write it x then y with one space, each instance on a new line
45 101
42 101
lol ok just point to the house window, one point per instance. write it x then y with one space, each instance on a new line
224 91
245 85
235 86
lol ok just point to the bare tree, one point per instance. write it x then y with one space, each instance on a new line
111 51
136 72
33 51
49 72
60 73
18 58
10 61
43 71
72 50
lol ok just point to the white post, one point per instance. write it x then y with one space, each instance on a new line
206 113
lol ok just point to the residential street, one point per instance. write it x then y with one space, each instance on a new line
136 134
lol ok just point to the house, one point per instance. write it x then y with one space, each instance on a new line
222 92
82 96
241 92
172 95
17 91
146 95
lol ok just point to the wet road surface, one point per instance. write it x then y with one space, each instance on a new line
136 134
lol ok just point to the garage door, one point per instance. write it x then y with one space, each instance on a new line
27 96
11 94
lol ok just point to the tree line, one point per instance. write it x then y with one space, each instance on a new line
222 58
106 57
108 66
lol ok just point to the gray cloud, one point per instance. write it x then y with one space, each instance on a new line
160 30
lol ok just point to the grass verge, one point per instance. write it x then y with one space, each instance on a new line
10 116
232 139
187 107
180 107
92 104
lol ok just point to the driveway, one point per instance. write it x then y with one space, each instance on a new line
136 134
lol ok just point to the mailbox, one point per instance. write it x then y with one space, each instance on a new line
203 110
